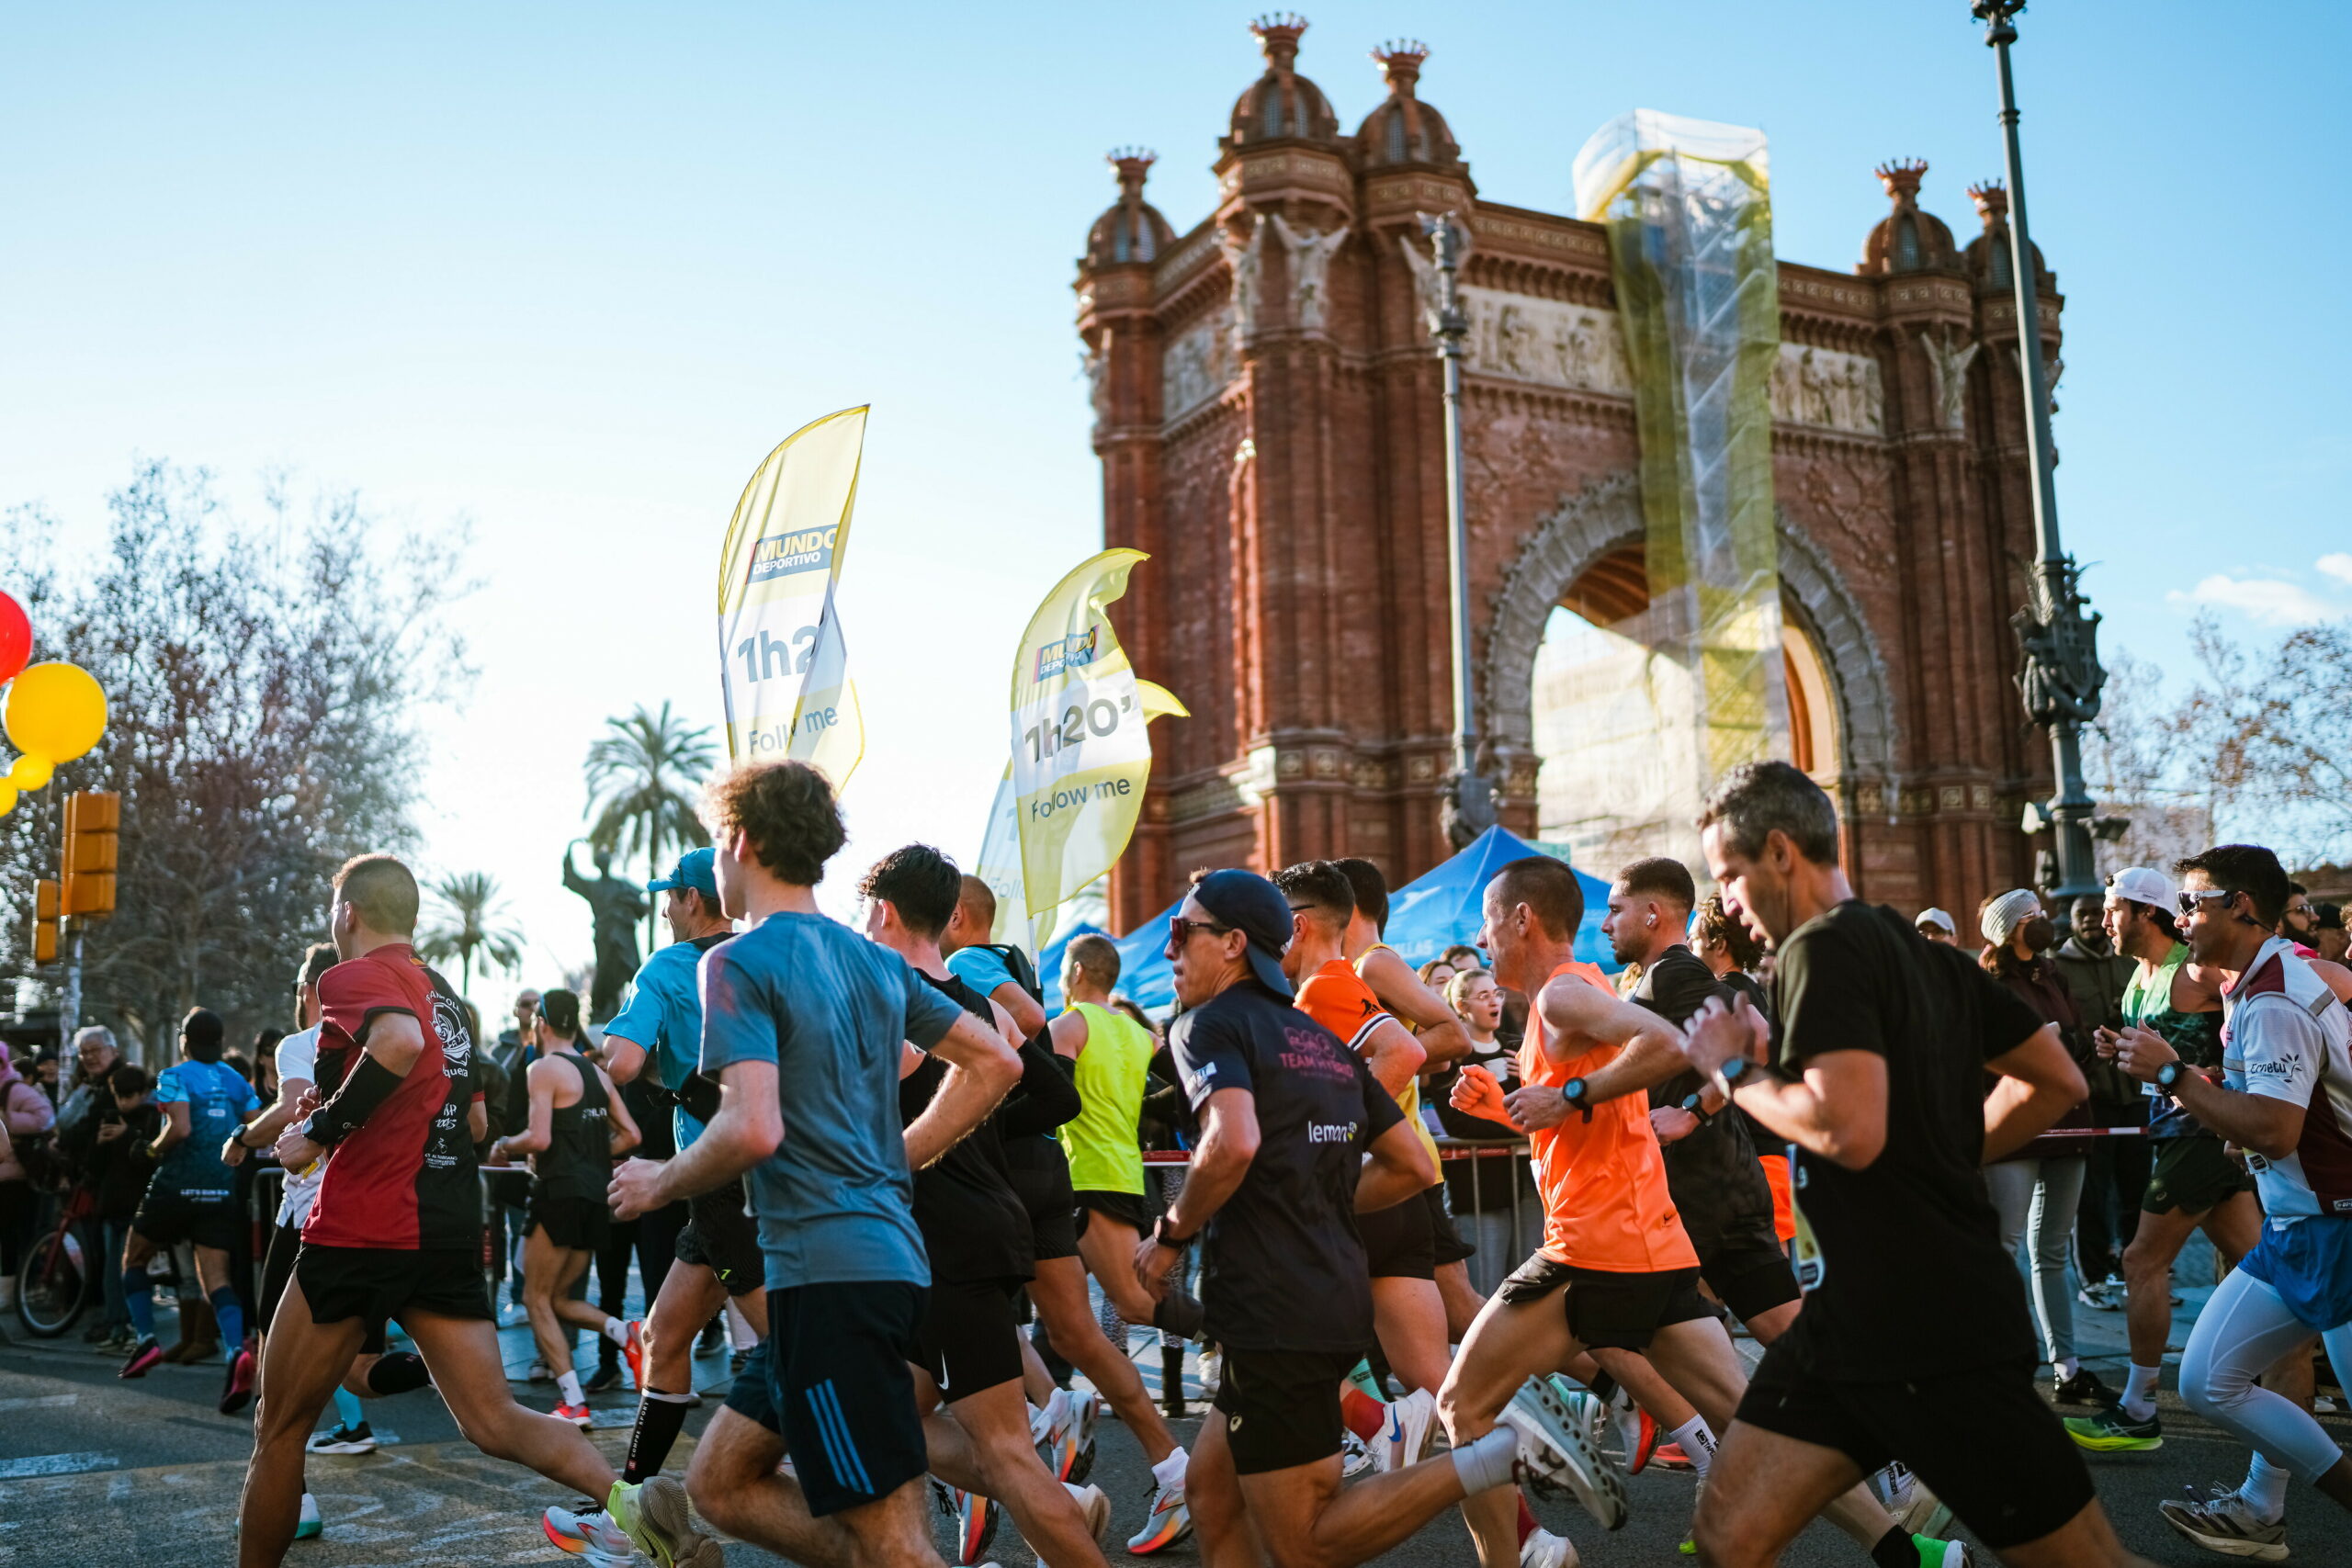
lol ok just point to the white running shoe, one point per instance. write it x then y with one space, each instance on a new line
1556 1453
308 1525
1405 1435
1073 1455
590 1534
1541 1549
1211 1370
1045 1419
1168 1521
345 1440
1095 1506
1355 1456
2225 1522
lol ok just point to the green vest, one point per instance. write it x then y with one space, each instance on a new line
1111 1072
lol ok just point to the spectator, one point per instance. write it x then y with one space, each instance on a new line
112 1145
1480 1190
94 1057
1937 925
2328 934
2115 1172
1462 955
27 1114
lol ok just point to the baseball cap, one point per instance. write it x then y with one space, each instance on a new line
694 870
1932 916
1254 907
2142 886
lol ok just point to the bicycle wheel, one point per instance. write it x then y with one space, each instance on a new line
54 1285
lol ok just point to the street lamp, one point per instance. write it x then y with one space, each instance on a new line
2061 677
1469 806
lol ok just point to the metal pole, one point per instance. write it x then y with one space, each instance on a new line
2061 676
1470 800
69 1006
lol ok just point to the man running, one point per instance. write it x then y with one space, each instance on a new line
974 957
718 1252
395 1230
1112 1053
576 1125
1284 1116
189 1199
2192 1182
2286 1099
803 1026
1885 1040
976 1230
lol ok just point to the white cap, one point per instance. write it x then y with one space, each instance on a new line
1935 917
2142 886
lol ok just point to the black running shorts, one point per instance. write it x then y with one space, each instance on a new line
1281 1407
831 1379
582 1224
1447 1243
1040 1174
1749 1274
1979 1437
720 1237
1609 1311
277 1268
1132 1210
2192 1175
1397 1244
969 1338
168 1216
378 1283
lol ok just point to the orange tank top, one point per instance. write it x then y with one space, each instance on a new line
1603 1181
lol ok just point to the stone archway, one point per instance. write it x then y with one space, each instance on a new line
1605 518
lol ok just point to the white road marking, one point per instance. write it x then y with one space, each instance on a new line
40 1402
55 1464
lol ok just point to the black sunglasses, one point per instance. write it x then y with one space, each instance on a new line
1180 932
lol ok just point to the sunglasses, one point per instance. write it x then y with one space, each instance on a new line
1180 932
2189 900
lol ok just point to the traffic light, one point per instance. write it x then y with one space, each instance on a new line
92 818
45 905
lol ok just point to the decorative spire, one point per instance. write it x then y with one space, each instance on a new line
1278 34
1134 164
1992 199
1901 176
1400 63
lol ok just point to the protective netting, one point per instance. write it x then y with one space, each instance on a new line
1687 207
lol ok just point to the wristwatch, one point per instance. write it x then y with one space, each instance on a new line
1573 1092
1734 1070
2170 1074
1695 1102
1160 1235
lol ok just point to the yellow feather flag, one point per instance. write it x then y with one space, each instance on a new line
783 667
1080 753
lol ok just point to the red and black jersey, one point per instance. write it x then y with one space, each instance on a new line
405 1178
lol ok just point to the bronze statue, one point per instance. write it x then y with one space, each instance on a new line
616 906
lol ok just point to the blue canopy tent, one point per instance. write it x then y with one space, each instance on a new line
1049 963
1440 907
1146 977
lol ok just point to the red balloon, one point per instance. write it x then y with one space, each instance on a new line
15 637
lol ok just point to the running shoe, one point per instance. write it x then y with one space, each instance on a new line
1071 1444
2225 1523
239 1391
2084 1388
1096 1506
2111 1430
2105 1295
1934 1554
540 1372
144 1355
308 1525
1669 1456
590 1534
1211 1370
1541 1549
975 1520
655 1516
1403 1438
738 1359
575 1414
604 1379
99 1333
633 1352
1168 1521
1632 1429
345 1441
1555 1455
1355 1458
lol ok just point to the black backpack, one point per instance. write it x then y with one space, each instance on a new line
1024 974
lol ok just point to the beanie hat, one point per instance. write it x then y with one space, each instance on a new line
2004 915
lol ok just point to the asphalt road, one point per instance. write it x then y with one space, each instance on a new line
95 1472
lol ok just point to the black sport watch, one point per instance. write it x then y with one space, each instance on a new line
1172 1242
2170 1074
1572 1092
1734 1070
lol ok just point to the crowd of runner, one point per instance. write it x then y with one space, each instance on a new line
924 1196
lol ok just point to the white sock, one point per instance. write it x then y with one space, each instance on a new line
1697 1441
616 1331
568 1384
310 1507
2266 1489
1486 1462
2067 1368
1170 1471
2140 1391
739 1328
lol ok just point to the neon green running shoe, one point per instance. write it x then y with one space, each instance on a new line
2111 1430
654 1517
1934 1554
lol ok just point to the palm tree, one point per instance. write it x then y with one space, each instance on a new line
640 775
472 922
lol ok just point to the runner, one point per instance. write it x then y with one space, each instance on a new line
2193 1181
977 959
1113 1064
1439 1031
718 1252
1885 1038
1283 1116
1731 954
976 1233
803 1025
577 1126
2286 1099
189 1199
395 1227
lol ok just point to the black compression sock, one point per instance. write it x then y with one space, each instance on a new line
1177 1313
1604 1386
658 1419
1894 1550
397 1373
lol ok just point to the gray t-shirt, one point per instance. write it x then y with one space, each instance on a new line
830 1009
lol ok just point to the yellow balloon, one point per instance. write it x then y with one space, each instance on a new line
55 711
29 772
7 798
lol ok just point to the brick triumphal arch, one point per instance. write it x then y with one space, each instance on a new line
1267 417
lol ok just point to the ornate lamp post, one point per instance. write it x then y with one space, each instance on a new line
1469 807
2061 677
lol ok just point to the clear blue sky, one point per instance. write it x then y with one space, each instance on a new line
571 270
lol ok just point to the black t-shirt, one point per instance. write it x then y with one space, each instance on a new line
973 1227
1281 1267
1914 1280
1718 1188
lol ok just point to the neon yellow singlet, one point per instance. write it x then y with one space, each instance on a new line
1111 1070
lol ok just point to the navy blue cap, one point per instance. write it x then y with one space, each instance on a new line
1256 907
695 869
